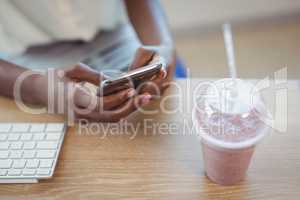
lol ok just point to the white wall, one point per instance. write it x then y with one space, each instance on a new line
196 13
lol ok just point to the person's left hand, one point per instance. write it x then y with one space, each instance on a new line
147 54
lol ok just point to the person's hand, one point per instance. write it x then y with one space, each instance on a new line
147 54
63 92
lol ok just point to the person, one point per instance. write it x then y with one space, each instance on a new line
27 23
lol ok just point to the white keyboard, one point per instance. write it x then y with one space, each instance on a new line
29 151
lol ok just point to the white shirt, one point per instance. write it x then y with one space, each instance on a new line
29 22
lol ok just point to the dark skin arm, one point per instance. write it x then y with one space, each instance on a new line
149 22
148 19
9 72
35 90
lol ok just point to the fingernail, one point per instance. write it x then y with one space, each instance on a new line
146 98
163 74
131 93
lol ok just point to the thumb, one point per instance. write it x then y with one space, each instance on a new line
82 72
84 98
142 57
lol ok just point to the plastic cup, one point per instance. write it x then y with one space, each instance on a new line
226 166
229 135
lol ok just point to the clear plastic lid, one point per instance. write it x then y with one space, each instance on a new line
230 114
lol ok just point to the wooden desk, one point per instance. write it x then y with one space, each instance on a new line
160 166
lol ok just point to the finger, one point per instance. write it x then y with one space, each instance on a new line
89 101
170 73
84 98
129 107
121 112
117 99
154 86
82 72
108 91
162 74
165 85
141 58
83 104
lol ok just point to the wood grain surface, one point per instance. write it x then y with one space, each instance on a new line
160 164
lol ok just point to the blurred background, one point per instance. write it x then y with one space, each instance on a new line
266 35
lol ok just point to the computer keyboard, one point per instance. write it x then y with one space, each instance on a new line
29 151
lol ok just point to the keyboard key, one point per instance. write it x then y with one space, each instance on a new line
13 137
29 149
32 163
5 164
43 171
29 145
4 145
45 153
38 136
37 127
19 164
53 136
55 127
20 127
16 145
26 137
46 163
3 136
47 145
4 127
4 154
14 172
3 172
29 172
16 154
28 154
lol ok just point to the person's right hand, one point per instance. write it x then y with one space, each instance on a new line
62 91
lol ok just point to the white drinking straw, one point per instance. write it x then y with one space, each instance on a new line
229 50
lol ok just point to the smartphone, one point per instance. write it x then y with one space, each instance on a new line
132 78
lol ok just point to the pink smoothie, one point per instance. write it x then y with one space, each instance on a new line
228 136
